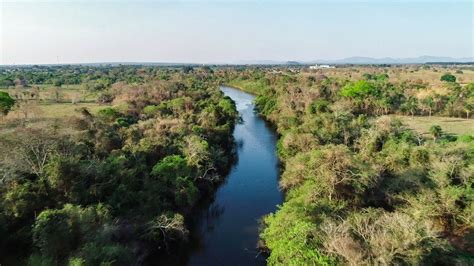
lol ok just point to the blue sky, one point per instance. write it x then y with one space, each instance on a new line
79 31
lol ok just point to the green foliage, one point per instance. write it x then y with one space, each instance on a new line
436 131
319 106
291 241
265 104
359 90
22 199
52 234
380 77
99 254
58 82
171 167
228 107
56 232
109 114
6 102
448 77
174 173
76 262
151 110
38 260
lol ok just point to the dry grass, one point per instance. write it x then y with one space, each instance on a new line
450 125
396 74
45 112
67 92
58 110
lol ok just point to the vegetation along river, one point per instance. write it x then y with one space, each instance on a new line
228 227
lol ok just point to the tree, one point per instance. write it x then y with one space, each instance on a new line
165 229
468 106
410 106
58 83
436 132
196 150
6 102
428 104
468 96
56 94
58 232
362 92
6 82
32 150
29 108
359 89
448 77
35 93
187 69
20 82
171 167
52 233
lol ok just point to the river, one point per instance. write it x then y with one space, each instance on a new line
227 228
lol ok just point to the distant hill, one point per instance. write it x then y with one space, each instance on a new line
365 60
349 60
390 60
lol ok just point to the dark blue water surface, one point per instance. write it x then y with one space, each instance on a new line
228 227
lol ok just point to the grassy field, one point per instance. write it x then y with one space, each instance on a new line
45 110
45 115
57 110
396 74
450 125
67 92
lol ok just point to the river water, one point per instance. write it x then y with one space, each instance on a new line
227 229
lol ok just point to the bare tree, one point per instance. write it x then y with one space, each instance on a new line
166 229
31 150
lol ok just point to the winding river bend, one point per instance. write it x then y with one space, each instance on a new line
228 227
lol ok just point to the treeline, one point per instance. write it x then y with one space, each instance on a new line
116 186
91 77
362 189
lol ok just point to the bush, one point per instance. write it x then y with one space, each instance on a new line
104 254
377 237
319 106
448 77
53 234
57 232
151 110
108 114
6 102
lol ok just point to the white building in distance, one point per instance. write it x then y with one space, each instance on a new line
320 66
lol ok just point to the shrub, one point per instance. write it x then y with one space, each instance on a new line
53 234
108 114
377 237
448 77
6 102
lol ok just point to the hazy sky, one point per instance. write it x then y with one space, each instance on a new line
79 31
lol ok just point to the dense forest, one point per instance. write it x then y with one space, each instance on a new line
111 187
362 188
102 165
